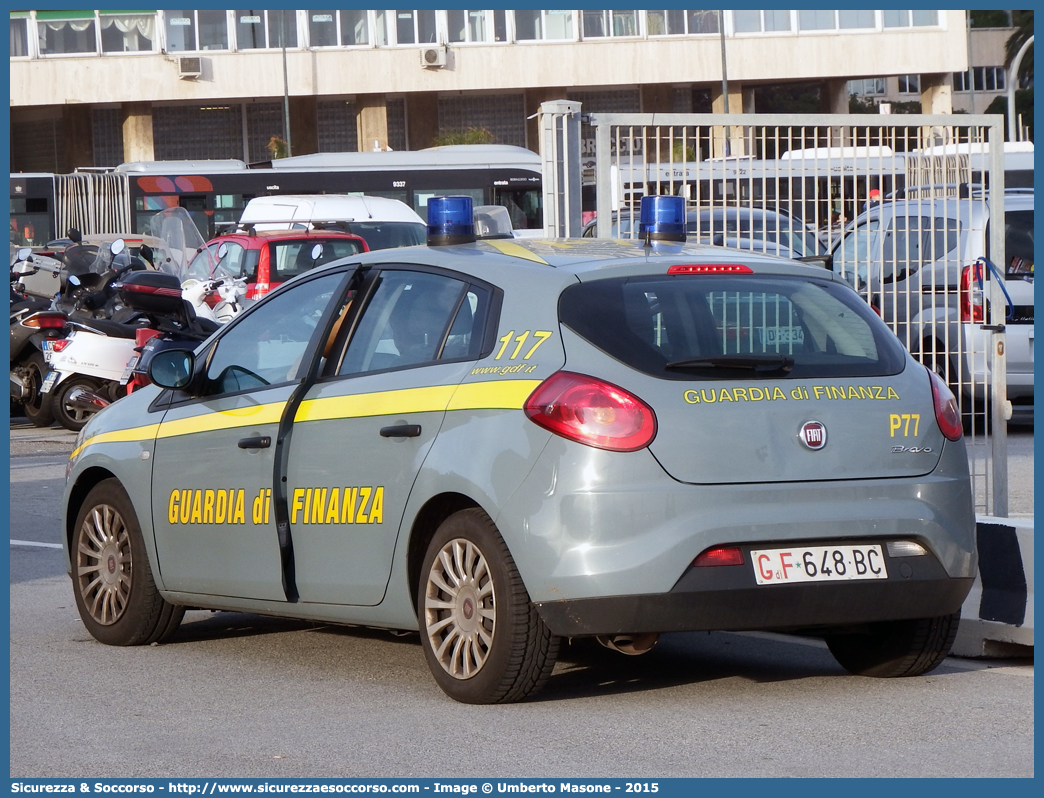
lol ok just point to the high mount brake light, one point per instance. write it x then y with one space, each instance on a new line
592 412
710 268
947 412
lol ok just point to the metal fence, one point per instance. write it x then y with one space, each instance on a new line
900 204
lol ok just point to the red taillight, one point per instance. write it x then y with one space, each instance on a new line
143 334
719 557
59 345
45 320
947 413
710 268
155 290
592 412
971 294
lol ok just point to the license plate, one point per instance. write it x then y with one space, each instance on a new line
779 336
48 351
49 382
129 370
818 564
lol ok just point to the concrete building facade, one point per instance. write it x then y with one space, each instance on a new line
97 88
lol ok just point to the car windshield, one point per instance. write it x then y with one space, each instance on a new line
714 327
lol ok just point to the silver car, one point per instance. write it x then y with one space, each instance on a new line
505 444
915 260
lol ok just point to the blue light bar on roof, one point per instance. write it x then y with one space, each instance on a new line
450 221
662 219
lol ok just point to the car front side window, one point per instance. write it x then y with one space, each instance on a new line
267 346
415 318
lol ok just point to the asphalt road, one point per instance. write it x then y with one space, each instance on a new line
238 695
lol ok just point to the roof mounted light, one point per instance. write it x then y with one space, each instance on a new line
662 219
450 221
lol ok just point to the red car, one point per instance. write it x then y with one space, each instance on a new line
270 257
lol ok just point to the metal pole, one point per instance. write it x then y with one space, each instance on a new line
971 69
1013 79
724 81
286 84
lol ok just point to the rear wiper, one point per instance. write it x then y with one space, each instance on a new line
761 363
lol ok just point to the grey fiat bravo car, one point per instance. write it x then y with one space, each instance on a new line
503 443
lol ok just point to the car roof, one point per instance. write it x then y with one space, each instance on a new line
287 235
502 260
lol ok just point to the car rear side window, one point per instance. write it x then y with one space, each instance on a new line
722 326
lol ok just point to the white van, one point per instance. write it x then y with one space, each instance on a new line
383 223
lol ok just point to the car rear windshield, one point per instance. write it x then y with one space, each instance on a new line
387 235
291 258
727 326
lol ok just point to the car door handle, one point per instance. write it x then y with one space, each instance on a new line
401 431
256 442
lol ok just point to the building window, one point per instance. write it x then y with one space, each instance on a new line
759 21
128 33
909 84
986 79
677 22
416 27
196 30
337 127
191 132
855 19
868 87
107 136
598 24
906 19
503 115
476 26
66 32
19 38
259 30
333 28
533 25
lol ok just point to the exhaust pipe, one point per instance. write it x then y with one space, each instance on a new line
19 387
83 399
632 645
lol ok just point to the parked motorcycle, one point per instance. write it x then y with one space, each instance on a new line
32 323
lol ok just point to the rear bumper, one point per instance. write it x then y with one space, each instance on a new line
728 598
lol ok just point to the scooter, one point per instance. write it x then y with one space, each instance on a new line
94 352
32 323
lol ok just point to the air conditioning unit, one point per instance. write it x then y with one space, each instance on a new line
433 57
190 67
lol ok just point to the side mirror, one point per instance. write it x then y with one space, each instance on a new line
74 235
317 250
74 280
117 246
222 251
23 253
823 261
172 368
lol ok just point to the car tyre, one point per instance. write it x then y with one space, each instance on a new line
115 591
482 637
73 418
891 649
37 407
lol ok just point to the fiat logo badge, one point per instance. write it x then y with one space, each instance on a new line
813 435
